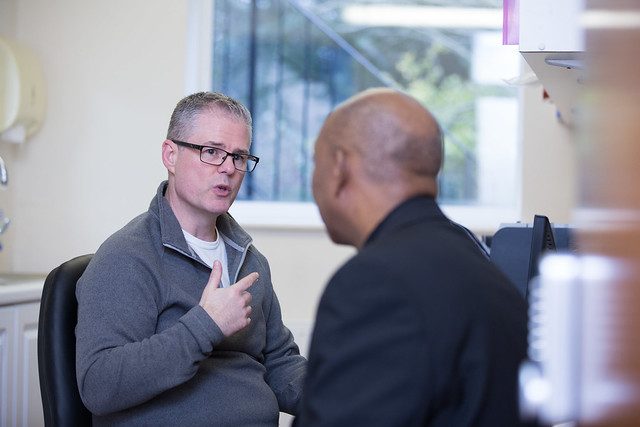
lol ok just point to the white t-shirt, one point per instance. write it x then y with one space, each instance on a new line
209 252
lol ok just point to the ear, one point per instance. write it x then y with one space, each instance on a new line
341 171
169 154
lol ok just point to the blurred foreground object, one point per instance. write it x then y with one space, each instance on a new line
590 371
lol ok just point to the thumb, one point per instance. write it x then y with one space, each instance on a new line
216 274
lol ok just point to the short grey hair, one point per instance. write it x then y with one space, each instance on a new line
188 108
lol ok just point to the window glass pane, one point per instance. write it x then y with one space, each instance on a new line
291 62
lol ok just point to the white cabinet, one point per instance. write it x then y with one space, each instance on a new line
20 401
552 42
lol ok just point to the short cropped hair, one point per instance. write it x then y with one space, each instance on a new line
188 108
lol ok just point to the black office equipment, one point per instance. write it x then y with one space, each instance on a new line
517 248
542 240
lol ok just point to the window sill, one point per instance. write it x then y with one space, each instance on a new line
305 216
277 215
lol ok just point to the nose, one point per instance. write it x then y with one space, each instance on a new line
227 165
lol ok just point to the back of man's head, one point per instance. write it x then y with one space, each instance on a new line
375 150
396 136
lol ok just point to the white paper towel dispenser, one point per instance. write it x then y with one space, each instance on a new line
22 92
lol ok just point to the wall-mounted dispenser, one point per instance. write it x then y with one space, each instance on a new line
22 92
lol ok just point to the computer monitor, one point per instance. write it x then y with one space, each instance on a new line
542 241
516 249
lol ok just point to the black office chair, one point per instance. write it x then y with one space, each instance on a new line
57 347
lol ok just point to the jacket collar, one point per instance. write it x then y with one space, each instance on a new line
415 209
171 232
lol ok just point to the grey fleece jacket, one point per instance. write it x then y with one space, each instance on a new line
148 354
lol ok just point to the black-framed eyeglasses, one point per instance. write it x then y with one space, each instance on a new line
216 156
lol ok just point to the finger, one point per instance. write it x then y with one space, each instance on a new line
246 282
247 315
216 274
247 297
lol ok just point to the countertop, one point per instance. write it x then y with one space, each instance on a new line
20 288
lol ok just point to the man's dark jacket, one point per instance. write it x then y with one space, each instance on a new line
418 328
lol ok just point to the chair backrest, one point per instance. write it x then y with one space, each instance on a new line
57 346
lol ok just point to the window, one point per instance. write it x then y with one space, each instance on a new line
292 61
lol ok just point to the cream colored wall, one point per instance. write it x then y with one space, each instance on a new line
114 71
7 29
549 174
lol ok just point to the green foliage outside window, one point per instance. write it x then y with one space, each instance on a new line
292 63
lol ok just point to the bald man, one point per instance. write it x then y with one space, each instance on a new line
418 328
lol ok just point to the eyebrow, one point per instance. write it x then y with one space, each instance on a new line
221 145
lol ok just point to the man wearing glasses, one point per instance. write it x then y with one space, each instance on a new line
178 322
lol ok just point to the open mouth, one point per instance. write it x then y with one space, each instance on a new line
222 190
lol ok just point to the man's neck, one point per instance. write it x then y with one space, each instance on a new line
207 233
201 226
